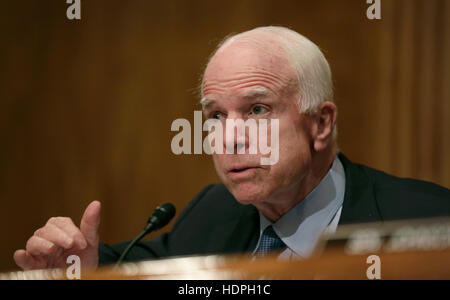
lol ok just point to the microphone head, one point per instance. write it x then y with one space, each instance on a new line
162 216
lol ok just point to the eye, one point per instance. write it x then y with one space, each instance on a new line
216 115
258 110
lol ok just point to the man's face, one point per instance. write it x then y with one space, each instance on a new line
242 82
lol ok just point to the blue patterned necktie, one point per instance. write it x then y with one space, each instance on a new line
269 242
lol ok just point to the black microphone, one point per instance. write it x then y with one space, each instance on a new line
160 217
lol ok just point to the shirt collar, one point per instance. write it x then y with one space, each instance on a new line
301 227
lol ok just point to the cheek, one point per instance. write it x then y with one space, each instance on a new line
220 166
293 147
295 152
217 164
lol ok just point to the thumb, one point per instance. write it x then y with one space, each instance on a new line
90 221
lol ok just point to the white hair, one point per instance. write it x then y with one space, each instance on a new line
315 84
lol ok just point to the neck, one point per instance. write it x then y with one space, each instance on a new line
285 200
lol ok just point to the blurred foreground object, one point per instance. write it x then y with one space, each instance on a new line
418 249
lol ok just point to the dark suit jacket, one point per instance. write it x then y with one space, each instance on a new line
215 223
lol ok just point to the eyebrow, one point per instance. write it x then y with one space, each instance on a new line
257 93
253 94
206 102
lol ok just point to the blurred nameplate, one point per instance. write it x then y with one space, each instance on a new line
419 235
417 249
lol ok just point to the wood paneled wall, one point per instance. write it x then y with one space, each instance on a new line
86 106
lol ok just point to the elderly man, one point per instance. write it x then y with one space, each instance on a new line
266 73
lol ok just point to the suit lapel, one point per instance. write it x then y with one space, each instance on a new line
244 232
359 199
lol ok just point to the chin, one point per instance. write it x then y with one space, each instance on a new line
247 193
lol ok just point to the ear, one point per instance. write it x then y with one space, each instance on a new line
324 122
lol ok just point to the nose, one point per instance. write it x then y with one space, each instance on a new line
236 138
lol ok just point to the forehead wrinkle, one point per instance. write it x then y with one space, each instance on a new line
271 68
213 87
266 79
220 88
263 74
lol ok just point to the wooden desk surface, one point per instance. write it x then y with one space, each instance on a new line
406 250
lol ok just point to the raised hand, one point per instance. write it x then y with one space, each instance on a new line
50 245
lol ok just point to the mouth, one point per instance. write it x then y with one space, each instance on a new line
242 172
240 169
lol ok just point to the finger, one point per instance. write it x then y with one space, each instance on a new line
39 246
21 259
90 221
67 225
56 235
26 261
